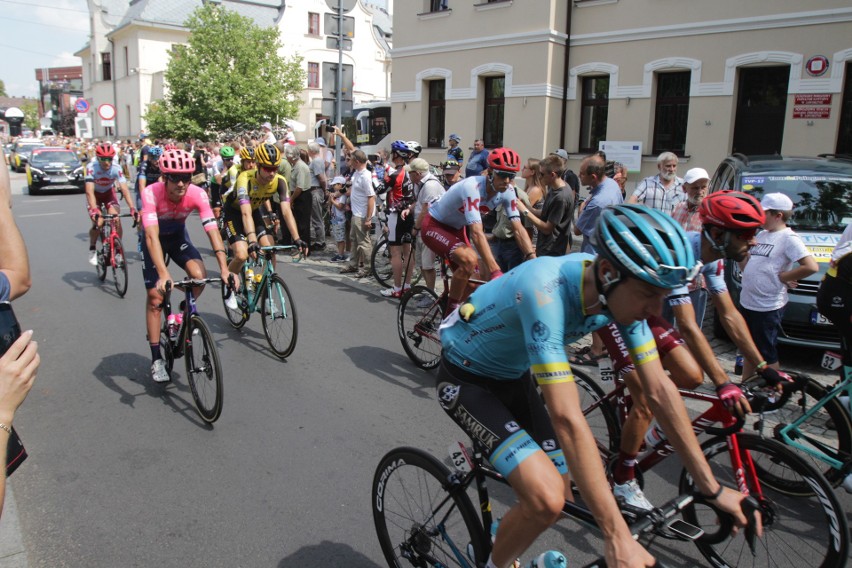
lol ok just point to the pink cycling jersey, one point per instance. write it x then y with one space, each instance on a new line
157 208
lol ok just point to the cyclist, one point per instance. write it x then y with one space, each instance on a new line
400 196
443 228
166 205
225 174
729 222
834 298
510 337
101 177
244 225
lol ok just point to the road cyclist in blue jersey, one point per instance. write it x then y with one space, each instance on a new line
509 337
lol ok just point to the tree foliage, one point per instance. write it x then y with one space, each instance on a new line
3 89
229 73
30 110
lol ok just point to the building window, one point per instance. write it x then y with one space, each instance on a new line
313 76
439 5
313 23
595 105
492 125
126 62
437 106
106 66
671 113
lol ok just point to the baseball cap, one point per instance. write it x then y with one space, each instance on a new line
561 153
776 202
338 180
320 141
695 174
266 125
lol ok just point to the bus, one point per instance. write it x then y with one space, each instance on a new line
369 126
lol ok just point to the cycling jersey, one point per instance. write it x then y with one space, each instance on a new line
665 335
104 179
713 274
400 189
149 171
249 190
157 208
465 203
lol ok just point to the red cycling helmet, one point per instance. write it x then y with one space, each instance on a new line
732 210
170 147
104 150
177 162
504 160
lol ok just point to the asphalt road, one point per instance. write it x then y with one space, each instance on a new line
123 472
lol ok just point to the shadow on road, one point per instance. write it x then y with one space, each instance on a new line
327 553
249 335
82 279
393 368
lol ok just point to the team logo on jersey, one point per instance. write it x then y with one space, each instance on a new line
519 297
448 395
548 445
540 332
512 426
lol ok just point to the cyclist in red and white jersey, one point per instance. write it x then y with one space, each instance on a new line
165 207
102 175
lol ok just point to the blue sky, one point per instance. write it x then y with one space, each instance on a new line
39 33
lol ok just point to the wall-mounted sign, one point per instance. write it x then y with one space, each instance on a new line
811 112
817 65
812 105
813 99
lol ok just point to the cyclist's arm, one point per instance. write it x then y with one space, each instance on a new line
220 254
126 193
523 239
735 326
477 237
90 195
697 342
248 222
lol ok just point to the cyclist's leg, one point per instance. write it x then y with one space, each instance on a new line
184 253
153 300
267 240
426 257
235 235
464 260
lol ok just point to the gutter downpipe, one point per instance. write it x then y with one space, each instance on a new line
565 72
114 70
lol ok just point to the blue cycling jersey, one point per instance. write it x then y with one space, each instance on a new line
466 201
524 319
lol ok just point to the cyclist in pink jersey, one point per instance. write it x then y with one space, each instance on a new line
165 207
101 177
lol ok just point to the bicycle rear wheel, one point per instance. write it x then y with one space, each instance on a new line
119 269
240 316
380 264
418 326
203 370
423 517
599 414
797 531
280 322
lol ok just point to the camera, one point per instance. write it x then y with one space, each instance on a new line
329 128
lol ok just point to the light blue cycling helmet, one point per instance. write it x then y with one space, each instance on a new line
155 152
646 244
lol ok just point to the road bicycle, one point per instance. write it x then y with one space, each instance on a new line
801 528
262 290
424 515
814 420
111 252
380 259
190 337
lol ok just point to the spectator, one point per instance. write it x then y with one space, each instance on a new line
428 190
337 202
502 240
568 174
478 159
319 186
455 152
662 191
450 171
400 198
618 172
768 273
268 136
533 184
557 212
603 192
300 191
362 200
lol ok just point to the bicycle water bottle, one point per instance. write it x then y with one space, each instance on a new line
249 279
172 327
654 435
550 559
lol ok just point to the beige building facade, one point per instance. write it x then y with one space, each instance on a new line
703 79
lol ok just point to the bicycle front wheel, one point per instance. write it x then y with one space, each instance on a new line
418 319
239 316
380 264
797 531
119 268
422 516
203 370
599 414
280 323
103 259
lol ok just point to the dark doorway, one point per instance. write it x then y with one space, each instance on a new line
844 134
761 109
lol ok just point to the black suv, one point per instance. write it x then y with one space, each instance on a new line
821 190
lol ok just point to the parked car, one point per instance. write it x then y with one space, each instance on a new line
56 168
821 190
21 151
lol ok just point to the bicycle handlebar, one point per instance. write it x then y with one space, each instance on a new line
726 430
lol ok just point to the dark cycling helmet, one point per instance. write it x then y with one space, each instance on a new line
401 148
504 160
226 152
247 153
646 244
104 150
177 162
267 155
155 152
732 210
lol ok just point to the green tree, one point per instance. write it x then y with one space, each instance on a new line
30 110
3 89
229 73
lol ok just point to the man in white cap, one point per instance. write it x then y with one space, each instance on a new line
696 182
768 273
267 131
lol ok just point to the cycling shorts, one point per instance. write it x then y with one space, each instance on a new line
441 238
834 301
234 229
107 199
508 418
177 246
665 335
398 228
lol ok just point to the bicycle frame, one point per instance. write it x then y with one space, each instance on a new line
264 263
179 344
109 234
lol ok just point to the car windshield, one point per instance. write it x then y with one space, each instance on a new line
51 157
823 201
28 147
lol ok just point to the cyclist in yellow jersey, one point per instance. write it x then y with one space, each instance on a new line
244 225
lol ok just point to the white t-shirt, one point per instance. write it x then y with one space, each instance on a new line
774 253
362 190
846 236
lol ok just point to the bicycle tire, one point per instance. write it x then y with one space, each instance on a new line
203 370
830 426
281 327
237 318
380 264
418 327
102 255
119 268
600 415
793 526
418 511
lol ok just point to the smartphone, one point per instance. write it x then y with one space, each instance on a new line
10 331
329 128
685 530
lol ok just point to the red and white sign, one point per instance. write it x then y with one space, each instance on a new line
106 111
805 111
813 99
81 106
817 65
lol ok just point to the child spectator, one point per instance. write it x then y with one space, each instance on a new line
767 275
337 213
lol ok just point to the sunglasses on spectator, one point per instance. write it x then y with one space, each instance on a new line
505 175
178 178
269 169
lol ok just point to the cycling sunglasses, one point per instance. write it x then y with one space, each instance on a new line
269 169
745 235
677 275
105 160
178 178
505 175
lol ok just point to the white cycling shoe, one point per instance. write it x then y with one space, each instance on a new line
632 495
93 258
159 372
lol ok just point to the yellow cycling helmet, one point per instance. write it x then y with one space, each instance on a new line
267 155
246 153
